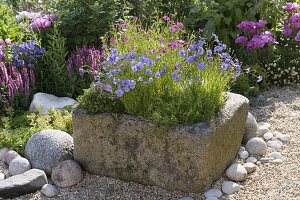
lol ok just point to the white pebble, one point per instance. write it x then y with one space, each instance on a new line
236 172
262 131
50 190
243 154
242 148
19 166
186 198
2 176
277 134
252 160
284 138
229 187
268 136
277 161
213 193
250 167
275 144
275 155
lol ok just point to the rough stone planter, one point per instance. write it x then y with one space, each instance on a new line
186 158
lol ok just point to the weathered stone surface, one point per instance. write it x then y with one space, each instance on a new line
250 167
21 184
250 128
47 149
213 193
47 101
186 158
229 187
67 173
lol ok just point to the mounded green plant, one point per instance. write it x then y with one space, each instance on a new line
159 76
17 128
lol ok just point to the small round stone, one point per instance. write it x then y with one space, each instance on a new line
213 193
252 160
236 172
262 131
10 155
256 146
277 161
229 187
242 148
49 190
275 155
243 154
275 144
2 176
268 136
250 167
19 166
277 134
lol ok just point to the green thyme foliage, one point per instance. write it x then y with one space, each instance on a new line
96 101
17 128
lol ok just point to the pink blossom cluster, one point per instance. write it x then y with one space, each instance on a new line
292 23
41 23
254 37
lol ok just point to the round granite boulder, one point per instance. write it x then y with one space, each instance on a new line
47 149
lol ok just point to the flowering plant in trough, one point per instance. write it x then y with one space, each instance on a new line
160 75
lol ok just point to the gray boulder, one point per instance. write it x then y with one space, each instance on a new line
250 128
47 149
42 102
19 166
66 174
22 184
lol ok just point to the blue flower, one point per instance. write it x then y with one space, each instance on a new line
148 72
119 92
175 76
108 88
191 59
157 75
150 80
201 66
182 53
131 84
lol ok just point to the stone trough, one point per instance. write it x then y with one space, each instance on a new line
186 158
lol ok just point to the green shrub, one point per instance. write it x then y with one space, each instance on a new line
160 77
84 21
17 128
9 27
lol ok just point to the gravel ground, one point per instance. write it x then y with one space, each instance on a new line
279 106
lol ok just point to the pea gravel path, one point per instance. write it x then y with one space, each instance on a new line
278 106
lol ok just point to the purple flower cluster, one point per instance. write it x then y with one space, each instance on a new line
41 23
26 54
14 79
254 37
85 59
292 23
